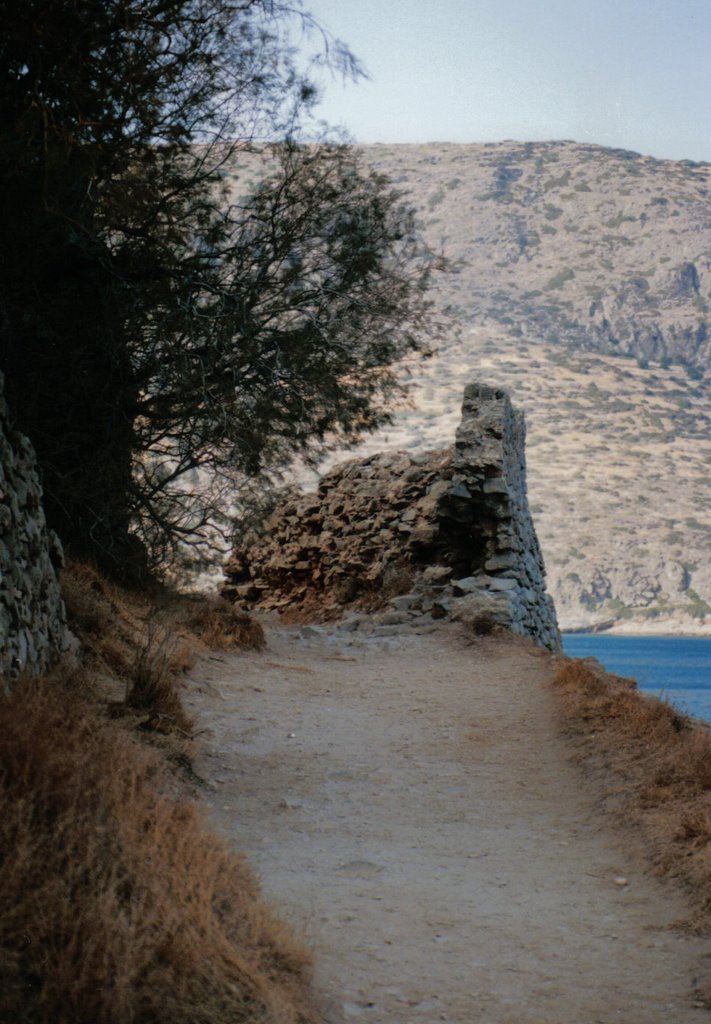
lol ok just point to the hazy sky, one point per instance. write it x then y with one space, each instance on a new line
630 73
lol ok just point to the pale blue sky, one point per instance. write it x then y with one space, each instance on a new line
630 73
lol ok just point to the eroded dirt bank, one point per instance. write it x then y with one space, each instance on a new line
408 803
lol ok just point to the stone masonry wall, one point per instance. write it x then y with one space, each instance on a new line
33 629
443 534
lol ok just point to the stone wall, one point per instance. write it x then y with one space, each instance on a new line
33 629
443 534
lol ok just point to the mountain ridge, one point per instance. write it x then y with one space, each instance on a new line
600 248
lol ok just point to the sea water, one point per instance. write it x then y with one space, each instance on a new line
675 667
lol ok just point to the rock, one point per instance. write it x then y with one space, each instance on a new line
394 618
423 534
398 528
391 630
308 632
495 486
352 623
504 584
405 602
437 573
467 585
474 607
33 629
460 490
505 560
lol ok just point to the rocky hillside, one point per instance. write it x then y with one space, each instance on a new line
579 279
565 261
619 473
561 242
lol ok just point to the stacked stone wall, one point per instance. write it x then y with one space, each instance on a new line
33 631
441 534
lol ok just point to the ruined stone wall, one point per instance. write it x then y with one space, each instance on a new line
438 535
33 628
489 464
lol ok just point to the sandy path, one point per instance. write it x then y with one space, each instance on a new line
408 804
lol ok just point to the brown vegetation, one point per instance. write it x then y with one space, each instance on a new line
485 624
136 645
216 622
663 761
118 907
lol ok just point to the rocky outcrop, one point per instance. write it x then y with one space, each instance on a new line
33 629
618 591
438 534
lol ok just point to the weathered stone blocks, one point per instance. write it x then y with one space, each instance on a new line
448 534
33 629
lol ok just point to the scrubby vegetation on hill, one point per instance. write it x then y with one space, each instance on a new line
136 644
547 243
569 243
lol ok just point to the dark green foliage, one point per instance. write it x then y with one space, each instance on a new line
153 325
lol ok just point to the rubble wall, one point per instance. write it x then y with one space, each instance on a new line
33 629
444 534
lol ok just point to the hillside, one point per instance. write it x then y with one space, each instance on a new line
579 278
619 474
566 260
562 242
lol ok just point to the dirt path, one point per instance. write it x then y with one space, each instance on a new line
408 804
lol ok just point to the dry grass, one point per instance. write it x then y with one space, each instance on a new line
663 761
216 623
153 685
136 646
485 624
117 906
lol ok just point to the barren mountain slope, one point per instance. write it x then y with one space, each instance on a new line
579 278
559 251
560 241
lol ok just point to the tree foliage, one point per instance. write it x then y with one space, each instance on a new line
161 328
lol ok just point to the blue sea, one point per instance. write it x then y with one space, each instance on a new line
675 667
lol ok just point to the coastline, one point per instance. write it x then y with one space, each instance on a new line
656 628
675 667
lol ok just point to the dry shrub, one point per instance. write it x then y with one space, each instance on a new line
485 624
153 685
90 609
134 662
139 643
218 623
110 622
117 906
663 760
